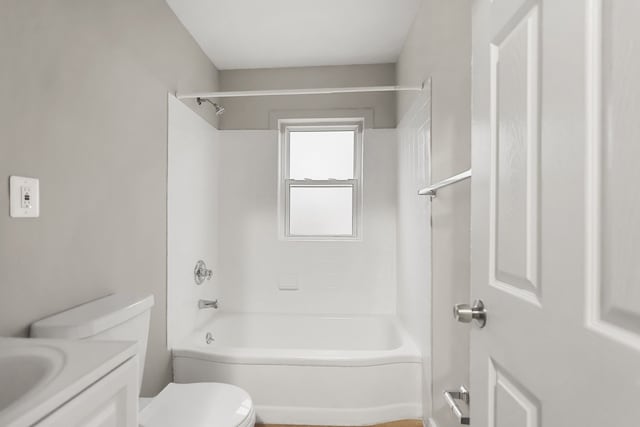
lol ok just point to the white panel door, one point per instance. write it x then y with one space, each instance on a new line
556 213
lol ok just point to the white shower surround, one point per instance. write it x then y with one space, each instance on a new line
332 277
192 216
303 369
347 361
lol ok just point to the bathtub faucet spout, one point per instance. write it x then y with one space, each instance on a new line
203 303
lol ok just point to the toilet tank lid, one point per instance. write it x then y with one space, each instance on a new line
93 317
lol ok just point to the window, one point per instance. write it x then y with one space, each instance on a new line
320 179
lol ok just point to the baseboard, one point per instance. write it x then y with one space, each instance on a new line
430 423
295 415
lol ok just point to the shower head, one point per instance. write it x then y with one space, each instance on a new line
219 108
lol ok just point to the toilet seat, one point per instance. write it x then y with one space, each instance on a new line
199 405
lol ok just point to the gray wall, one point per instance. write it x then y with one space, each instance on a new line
84 108
439 45
263 112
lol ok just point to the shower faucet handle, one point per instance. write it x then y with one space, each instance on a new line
201 272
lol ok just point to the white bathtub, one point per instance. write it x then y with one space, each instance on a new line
322 370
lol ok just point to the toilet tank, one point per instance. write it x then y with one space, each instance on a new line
117 317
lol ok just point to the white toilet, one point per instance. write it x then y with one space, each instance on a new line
121 317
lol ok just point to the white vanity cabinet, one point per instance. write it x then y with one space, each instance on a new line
112 401
68 383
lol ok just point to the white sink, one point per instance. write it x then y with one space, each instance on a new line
24 370
38 376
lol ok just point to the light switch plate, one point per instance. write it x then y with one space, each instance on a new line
24 194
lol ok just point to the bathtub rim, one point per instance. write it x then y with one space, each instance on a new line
406 352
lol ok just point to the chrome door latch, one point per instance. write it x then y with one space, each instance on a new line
465 314
451 396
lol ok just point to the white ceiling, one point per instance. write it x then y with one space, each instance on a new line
297 33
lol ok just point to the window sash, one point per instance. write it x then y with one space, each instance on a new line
284 183
331 183
357 151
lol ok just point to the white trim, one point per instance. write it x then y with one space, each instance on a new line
593 184
593 170
285 183
289 92
333 114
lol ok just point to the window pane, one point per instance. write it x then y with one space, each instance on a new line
321 155
320 211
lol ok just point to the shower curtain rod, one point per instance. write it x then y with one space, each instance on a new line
284 92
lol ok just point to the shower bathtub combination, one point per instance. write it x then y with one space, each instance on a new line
303 369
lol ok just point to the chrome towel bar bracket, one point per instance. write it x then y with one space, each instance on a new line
433 189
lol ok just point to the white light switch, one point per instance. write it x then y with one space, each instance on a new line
25 197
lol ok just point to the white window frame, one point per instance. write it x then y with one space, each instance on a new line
285 183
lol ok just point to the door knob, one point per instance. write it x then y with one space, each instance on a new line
465 314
